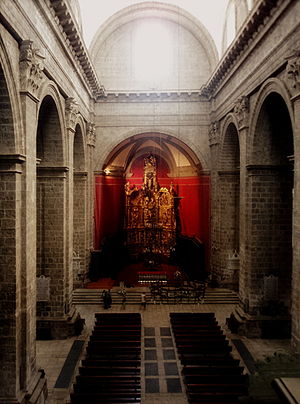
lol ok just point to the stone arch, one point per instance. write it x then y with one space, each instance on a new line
229 204
79 149
190 181
11 118
270 182
229 158
13 296
80 208
161 10
194 152
51 144
276 89
52 178
141 138
179 26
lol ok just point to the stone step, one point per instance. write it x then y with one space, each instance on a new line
93 296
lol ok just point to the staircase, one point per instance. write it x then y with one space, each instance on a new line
93 296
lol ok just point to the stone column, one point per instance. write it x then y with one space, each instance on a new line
292 78
262 249
31 65
215 213
91 140
71 113
81 252
241 111
12 331
238 321
20 380
228 189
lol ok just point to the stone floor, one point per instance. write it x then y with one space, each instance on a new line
159 367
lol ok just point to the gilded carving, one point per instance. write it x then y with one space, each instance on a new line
241 111
31 64
71 113
150 222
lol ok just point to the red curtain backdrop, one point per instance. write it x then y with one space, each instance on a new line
194 205
109 207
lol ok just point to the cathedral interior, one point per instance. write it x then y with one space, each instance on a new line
156 163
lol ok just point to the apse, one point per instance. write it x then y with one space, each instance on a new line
177 173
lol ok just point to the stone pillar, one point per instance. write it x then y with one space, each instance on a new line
91 140
56 317
12 371
71 113
237 322
228 189
262 246
80 267
241 111
31 386
292 79
215 213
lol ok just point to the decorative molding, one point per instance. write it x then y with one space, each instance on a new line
11 163
91 134
259 17
152 96
31 64
213 133
52 172
71 111
292 72
241 111
73 37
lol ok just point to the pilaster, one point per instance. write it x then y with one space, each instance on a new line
292 80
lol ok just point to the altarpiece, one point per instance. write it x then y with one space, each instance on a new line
150 222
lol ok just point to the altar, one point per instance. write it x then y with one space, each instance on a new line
148 277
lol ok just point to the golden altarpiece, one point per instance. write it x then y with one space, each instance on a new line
150 223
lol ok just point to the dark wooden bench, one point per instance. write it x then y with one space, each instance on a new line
97 371
114 342
113 379
83 386
212 370
208 349
209 360
111 363
200 337
214 397
117 326
109 331
216 379
92 398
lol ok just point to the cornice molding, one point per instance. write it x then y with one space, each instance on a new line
257 19
73 39
151 96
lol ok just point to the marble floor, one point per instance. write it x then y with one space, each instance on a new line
51 355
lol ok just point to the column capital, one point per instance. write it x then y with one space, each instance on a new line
31 65
241 111
71 112
91 134
213 133
292 73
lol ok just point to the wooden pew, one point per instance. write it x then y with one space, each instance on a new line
210 373
110 373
